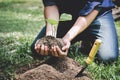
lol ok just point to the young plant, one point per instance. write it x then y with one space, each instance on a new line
54 23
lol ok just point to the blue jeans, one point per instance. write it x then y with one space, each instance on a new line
102 28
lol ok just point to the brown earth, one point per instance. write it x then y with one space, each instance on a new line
50 41
53 68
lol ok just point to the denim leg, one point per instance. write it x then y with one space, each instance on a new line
108 50
40 35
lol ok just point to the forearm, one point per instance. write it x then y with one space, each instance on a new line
80 25
51 12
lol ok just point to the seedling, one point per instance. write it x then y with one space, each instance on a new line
54 23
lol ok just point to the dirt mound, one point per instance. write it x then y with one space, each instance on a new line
55 69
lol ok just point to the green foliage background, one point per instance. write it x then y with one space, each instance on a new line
20 22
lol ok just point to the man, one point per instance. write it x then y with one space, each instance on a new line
91 19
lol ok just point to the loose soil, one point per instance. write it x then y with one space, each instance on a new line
54 68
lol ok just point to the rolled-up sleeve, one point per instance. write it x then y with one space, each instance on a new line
107 4
92 4
49 2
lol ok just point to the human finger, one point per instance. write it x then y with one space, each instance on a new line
60 52
45 50
42 50
54 51
66 46
37 48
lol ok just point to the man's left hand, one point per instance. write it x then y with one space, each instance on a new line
57 52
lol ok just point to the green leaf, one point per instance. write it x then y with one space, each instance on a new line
52 21
65 17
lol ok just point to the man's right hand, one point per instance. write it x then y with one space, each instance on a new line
41 49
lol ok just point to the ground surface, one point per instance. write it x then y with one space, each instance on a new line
54 68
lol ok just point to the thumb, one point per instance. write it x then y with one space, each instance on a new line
66 47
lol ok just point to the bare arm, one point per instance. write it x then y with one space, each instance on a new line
80 25
51 12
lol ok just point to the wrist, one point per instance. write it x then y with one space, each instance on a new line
51 30
48 33
66 39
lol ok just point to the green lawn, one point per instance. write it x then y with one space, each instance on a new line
20 21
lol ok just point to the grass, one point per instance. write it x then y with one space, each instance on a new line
20 21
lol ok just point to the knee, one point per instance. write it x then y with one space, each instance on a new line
108 57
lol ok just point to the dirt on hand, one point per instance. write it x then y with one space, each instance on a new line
51 41
54 68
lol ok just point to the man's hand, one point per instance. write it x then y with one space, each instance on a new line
41 49
57 52
53 46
